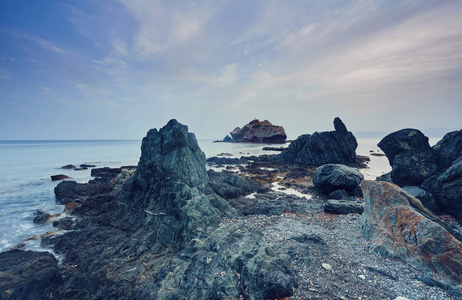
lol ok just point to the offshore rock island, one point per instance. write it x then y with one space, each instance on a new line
257 131
284 226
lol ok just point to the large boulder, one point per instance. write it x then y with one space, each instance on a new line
410 156
401 227
330 147
258 132
331 177
425 197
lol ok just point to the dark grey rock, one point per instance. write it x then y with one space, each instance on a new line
41 217
343 207
332 147
309 238
59 177
404 140
68 167
339 195
385 177
449 148
28 275
331 177
413 167
450 182
231 186
66 223
425 197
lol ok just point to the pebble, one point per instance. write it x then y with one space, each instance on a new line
327 267
362 277
401 298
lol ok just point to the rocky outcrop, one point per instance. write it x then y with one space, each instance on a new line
331 177
163 235
319 148
28 275
258 132
436 170
231 186
401 227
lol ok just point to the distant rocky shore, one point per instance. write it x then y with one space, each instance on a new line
284 226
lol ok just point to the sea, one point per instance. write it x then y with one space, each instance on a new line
27 166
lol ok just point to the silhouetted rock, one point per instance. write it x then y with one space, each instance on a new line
259 132
401 227
410 156
319 148
343 207
331 177
68 167
28 275
59 177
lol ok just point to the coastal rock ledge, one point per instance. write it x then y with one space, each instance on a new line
258 132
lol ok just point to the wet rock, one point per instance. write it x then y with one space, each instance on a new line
71 191
401 227
66 223
343 207
41 217
331 177
59 177
87 166
259 132
332 147
28 275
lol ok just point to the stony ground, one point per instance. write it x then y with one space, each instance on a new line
332 260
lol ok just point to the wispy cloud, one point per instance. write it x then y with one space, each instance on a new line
47 45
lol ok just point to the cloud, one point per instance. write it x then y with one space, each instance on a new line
47 45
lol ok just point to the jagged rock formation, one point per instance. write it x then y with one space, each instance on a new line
401 227
258 132
319 148
437 170
163 236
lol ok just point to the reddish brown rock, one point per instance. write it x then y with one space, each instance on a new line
401 227
259 132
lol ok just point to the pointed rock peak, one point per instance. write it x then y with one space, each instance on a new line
172 153
340 126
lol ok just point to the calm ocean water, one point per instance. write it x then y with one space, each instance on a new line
25 184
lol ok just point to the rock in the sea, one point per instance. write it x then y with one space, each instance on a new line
343 207
331 177
401 227
330 147
28 275
41 217
259 132
68 167
59 177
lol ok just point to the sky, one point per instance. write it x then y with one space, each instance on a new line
113 69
